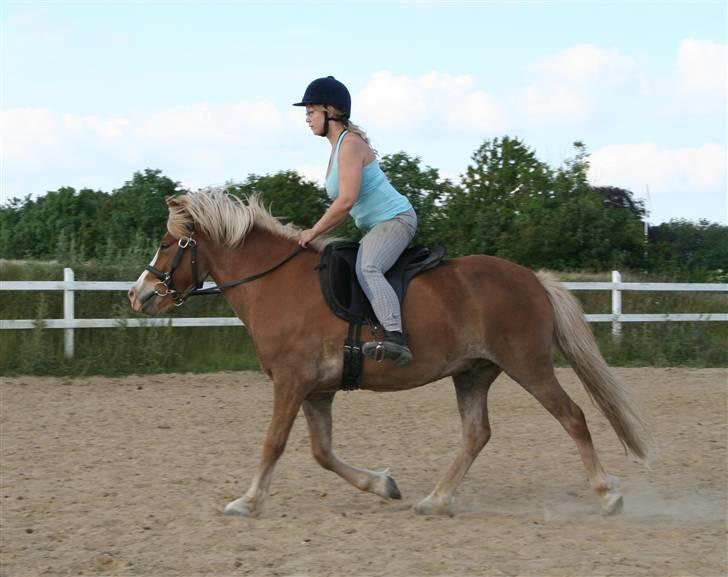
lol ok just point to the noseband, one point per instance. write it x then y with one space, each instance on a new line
166 283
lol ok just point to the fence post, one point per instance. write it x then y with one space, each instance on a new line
616 305
68 312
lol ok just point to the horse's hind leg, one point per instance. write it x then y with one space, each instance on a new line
548 391
472 394
317 408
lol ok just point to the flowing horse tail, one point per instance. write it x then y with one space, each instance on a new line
576 341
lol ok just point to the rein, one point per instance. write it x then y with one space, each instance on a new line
166 280
231 283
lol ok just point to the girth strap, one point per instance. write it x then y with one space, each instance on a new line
353 358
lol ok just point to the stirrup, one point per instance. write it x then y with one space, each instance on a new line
378 351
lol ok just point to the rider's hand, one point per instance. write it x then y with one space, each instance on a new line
306 236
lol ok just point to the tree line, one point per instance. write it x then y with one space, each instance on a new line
508 204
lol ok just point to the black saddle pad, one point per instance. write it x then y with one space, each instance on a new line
341 287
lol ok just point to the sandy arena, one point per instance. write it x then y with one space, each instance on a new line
129 476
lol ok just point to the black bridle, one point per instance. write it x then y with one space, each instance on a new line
166 278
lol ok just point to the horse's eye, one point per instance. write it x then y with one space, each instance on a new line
164 246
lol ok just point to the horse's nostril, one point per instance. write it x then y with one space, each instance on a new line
132 294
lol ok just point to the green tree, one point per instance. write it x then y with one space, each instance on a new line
287 195
578 228
10 216
425 190
688 250
32 228
614 197
136 209
504 181
514 206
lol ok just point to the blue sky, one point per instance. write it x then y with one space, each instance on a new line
93 91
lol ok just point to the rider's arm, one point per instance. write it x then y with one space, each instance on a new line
351 160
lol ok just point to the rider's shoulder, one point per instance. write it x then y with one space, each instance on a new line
354 145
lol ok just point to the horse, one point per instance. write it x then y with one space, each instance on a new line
471 319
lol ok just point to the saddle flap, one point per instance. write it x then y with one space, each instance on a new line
341 287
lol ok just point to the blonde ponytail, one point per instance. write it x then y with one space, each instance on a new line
349 125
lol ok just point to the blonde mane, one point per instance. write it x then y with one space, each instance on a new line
227 219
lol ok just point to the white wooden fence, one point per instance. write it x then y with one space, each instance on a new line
69 322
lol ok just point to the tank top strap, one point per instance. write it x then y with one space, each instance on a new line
333 169
338 144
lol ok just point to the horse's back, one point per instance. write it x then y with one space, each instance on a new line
471 304
481 279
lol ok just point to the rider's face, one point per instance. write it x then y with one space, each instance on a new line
315 119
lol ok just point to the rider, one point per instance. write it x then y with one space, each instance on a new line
357 186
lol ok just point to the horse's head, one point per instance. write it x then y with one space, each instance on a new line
217 220
175 270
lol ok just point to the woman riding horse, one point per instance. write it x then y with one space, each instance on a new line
358 187
471 319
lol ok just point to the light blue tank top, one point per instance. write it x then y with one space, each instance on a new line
378 200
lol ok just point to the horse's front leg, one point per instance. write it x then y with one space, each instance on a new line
287 399
317 408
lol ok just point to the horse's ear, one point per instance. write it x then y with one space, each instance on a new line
171 201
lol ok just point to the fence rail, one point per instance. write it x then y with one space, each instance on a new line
69 322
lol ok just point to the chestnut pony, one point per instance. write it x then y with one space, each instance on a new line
470 319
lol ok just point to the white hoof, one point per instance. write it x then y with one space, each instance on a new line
612 503
239 508
434 506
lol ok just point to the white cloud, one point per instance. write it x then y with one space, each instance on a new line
34 139
695 178
568 83
701 73
238 123
477 111
395 101
585 64
312 172
551 103
24 131
633 166
432 100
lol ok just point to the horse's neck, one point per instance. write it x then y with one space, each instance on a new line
260 251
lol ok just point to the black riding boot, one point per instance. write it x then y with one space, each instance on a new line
393 346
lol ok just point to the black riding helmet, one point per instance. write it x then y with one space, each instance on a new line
328 91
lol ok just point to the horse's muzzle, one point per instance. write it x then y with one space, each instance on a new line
142 301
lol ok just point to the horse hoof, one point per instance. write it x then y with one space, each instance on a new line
392 489
239 508
612 503
430 506
385 486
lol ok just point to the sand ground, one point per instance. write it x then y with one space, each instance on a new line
129 476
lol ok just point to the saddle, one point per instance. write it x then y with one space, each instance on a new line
345 297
